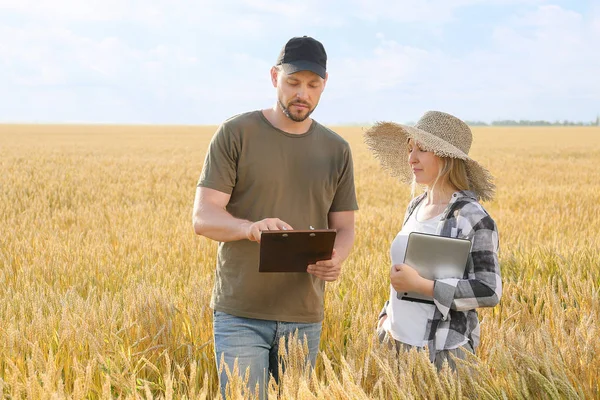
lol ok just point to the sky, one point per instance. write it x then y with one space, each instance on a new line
201 61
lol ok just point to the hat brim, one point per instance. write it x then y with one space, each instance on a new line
302 65
389 143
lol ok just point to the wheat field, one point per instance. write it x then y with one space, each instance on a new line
104 288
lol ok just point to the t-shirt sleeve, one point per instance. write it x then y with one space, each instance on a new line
220 164
345 195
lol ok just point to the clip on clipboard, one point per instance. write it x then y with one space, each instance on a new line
293 251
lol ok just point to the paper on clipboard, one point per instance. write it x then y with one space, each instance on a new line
294 250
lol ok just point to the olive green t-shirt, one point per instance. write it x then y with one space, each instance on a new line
273 174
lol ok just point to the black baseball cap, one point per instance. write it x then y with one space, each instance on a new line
303 54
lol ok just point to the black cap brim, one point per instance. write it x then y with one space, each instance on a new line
301 65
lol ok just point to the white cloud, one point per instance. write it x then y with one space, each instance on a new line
78 10
543 63
57 56
390 65
558 50
55 74
422 11
215 18
283 9
550 16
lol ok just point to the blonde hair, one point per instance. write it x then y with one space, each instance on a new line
454 172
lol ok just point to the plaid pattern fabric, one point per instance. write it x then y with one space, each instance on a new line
455 318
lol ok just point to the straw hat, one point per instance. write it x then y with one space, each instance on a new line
438 132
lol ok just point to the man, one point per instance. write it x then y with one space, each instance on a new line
274 169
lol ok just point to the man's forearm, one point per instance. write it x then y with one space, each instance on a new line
216 223
344 240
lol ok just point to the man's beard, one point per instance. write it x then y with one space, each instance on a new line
287 112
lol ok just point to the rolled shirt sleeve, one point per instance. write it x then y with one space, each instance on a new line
483 284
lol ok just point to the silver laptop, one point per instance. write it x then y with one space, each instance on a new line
435 257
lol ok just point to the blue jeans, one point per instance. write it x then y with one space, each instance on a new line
255 344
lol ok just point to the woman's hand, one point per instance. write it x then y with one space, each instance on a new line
405 278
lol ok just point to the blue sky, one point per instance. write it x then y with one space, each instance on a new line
200 61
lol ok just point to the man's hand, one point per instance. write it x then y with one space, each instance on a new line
252 230
404 278
328 270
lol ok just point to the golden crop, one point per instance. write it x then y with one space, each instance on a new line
104 288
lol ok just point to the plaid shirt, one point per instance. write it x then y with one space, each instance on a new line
455 318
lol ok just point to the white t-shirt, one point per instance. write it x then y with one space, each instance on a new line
407 320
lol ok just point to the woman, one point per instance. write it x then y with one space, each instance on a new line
434 155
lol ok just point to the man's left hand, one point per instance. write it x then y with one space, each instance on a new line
328 270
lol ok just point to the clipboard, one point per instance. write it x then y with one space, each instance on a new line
294 250
435 257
